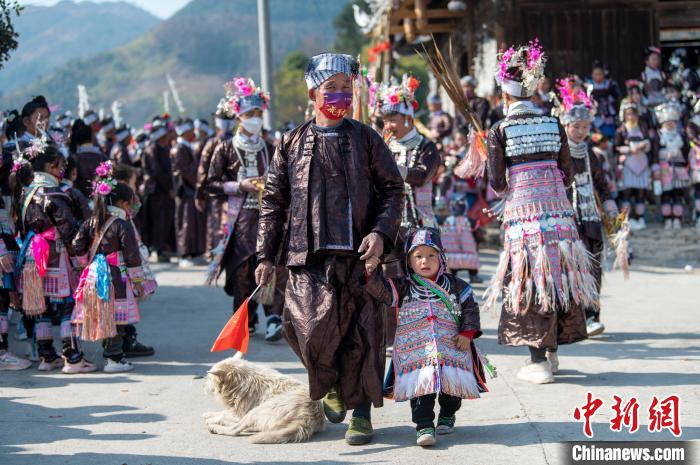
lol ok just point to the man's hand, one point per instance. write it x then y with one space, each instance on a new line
248 186
263 273
372 246
371 264
462 342
200 205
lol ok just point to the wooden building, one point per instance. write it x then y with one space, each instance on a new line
574 33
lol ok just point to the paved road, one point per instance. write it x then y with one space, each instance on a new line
152 415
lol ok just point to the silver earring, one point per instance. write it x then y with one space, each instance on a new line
405 123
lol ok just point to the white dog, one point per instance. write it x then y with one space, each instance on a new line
272 407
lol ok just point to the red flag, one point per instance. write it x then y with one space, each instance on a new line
234 334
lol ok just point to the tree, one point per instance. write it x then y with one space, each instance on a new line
348 36
8 36
416 66
291 95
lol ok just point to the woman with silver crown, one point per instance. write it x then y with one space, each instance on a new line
590 185
417 158
545 272
671 164
237 170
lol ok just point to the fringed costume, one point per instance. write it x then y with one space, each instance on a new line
106 295
544 273
429 314
47 228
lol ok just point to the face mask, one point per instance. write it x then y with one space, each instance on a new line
252 125
336 104
134 209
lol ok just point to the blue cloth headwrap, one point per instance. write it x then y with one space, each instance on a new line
322 67
250 102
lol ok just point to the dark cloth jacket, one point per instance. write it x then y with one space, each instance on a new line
498 163
224 166
205 156
50 207
184 165
88 158
79 204
425 163
158 171
374 186
119 237
120 154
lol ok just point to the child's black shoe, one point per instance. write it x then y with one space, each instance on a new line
446 425
425 437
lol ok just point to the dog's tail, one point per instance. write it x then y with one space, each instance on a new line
294 432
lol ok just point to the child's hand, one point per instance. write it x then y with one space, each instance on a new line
371 264
462 342
138 290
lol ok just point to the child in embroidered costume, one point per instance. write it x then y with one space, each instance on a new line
47 227
634 149
8 257
132 346
671 165
437 318
109 285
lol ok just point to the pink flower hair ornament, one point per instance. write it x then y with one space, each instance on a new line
104 187
529 59
18 164
240 88
104 170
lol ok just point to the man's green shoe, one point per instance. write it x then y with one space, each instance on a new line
334 406
359 431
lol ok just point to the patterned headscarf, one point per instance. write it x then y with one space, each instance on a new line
322 67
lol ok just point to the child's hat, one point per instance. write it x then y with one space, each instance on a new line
429 237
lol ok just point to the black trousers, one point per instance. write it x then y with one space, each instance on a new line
113 347
423 409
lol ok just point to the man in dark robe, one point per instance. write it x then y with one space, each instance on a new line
335 183
159 202
119 153
212 205
189 222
